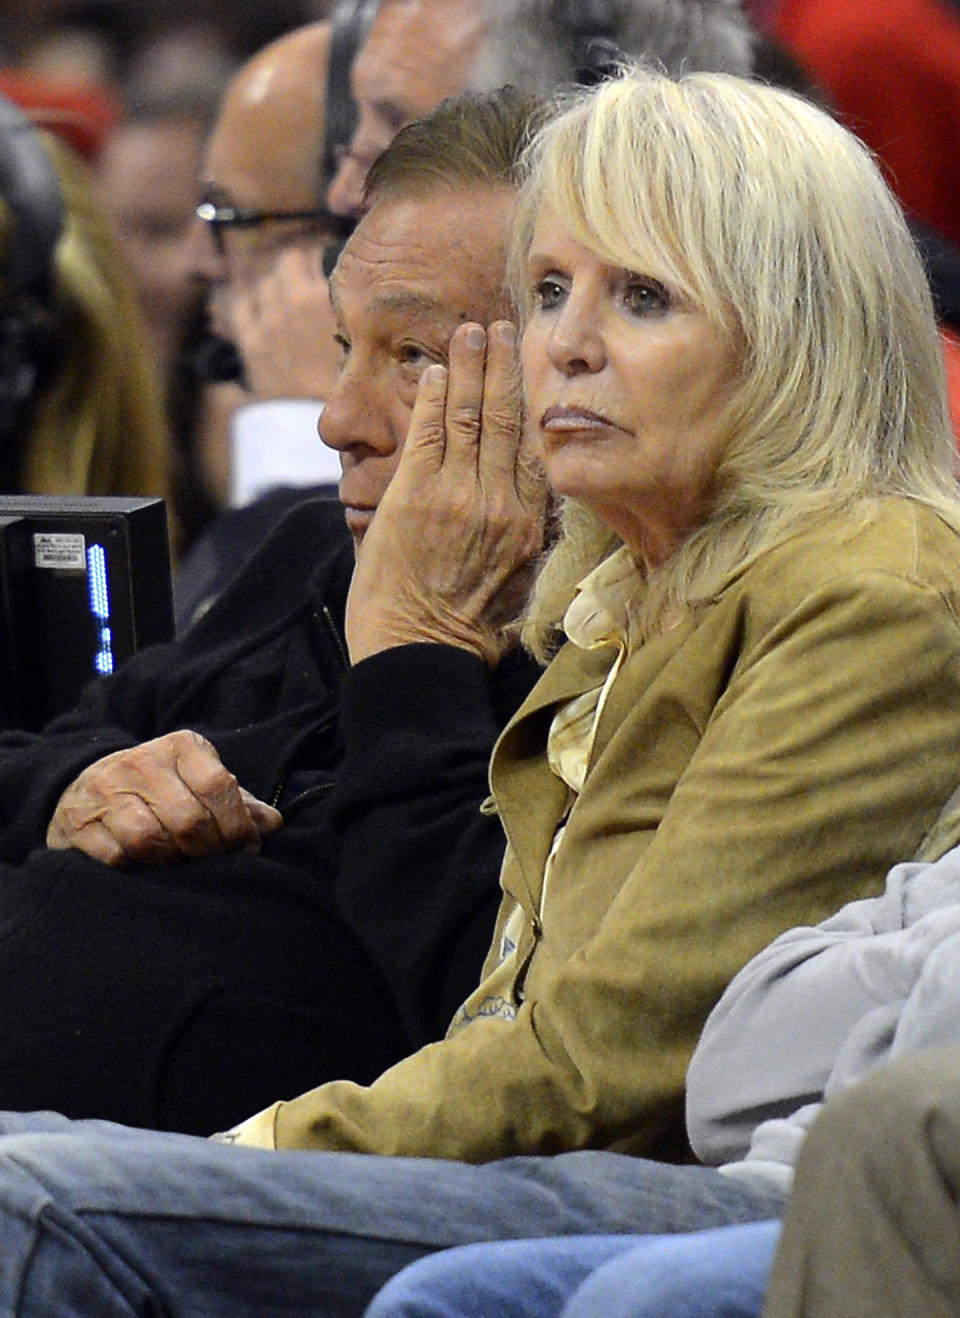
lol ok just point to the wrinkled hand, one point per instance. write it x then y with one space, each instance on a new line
283 326
447 558
159 802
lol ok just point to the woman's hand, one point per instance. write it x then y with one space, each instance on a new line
448 555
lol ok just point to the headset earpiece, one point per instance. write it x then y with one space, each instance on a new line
351 21
31 190
592 30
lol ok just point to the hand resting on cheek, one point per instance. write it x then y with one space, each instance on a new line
448 556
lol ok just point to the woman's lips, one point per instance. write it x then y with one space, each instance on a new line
558 420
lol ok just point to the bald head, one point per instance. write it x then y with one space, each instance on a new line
416 54
264 157
267 144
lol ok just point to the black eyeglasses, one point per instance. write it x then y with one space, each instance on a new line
221 218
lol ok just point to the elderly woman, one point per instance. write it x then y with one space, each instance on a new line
733 379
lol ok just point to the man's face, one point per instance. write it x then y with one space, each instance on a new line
411 273
417 53
148 177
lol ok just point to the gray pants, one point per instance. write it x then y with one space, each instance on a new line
105 1220
872 1228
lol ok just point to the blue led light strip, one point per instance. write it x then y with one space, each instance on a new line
100 607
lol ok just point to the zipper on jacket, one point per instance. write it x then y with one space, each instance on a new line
326 616
296 803
277 792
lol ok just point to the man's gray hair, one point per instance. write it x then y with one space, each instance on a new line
529 43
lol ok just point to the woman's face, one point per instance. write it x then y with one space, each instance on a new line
627 390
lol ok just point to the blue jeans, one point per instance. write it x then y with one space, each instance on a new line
707 1274
106 1220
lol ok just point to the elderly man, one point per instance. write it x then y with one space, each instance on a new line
416 53
299 887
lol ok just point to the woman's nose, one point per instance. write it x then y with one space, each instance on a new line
575 343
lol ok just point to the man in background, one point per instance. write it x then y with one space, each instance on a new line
256 250
417 52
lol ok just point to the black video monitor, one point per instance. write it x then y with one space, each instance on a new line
84 583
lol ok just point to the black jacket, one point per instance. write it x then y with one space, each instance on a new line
384 864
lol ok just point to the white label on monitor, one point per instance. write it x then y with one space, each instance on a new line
59 549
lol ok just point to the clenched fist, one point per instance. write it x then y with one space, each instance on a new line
163 801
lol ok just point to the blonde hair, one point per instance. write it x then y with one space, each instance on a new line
97 425
756 207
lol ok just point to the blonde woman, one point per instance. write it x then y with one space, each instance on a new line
95 423
733 380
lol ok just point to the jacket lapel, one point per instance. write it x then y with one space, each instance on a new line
530 797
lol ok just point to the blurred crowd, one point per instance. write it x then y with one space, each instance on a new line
133 87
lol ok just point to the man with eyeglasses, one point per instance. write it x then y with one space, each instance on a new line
256 247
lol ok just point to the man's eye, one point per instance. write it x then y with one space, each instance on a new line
547 294
343 346
412 354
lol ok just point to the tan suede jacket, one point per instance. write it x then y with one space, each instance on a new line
753 769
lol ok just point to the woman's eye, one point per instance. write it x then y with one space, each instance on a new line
643 296
547 294
343 347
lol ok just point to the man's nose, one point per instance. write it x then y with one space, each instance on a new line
203 259
352 419
345 191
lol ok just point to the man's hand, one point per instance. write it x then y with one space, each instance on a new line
283 327
160 802
447 557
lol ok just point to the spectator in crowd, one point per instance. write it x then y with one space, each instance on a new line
677 406
81 405
537 45
415 53
147 173
258 256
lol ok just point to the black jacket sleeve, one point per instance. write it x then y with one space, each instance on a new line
260 666
35 768
419 866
